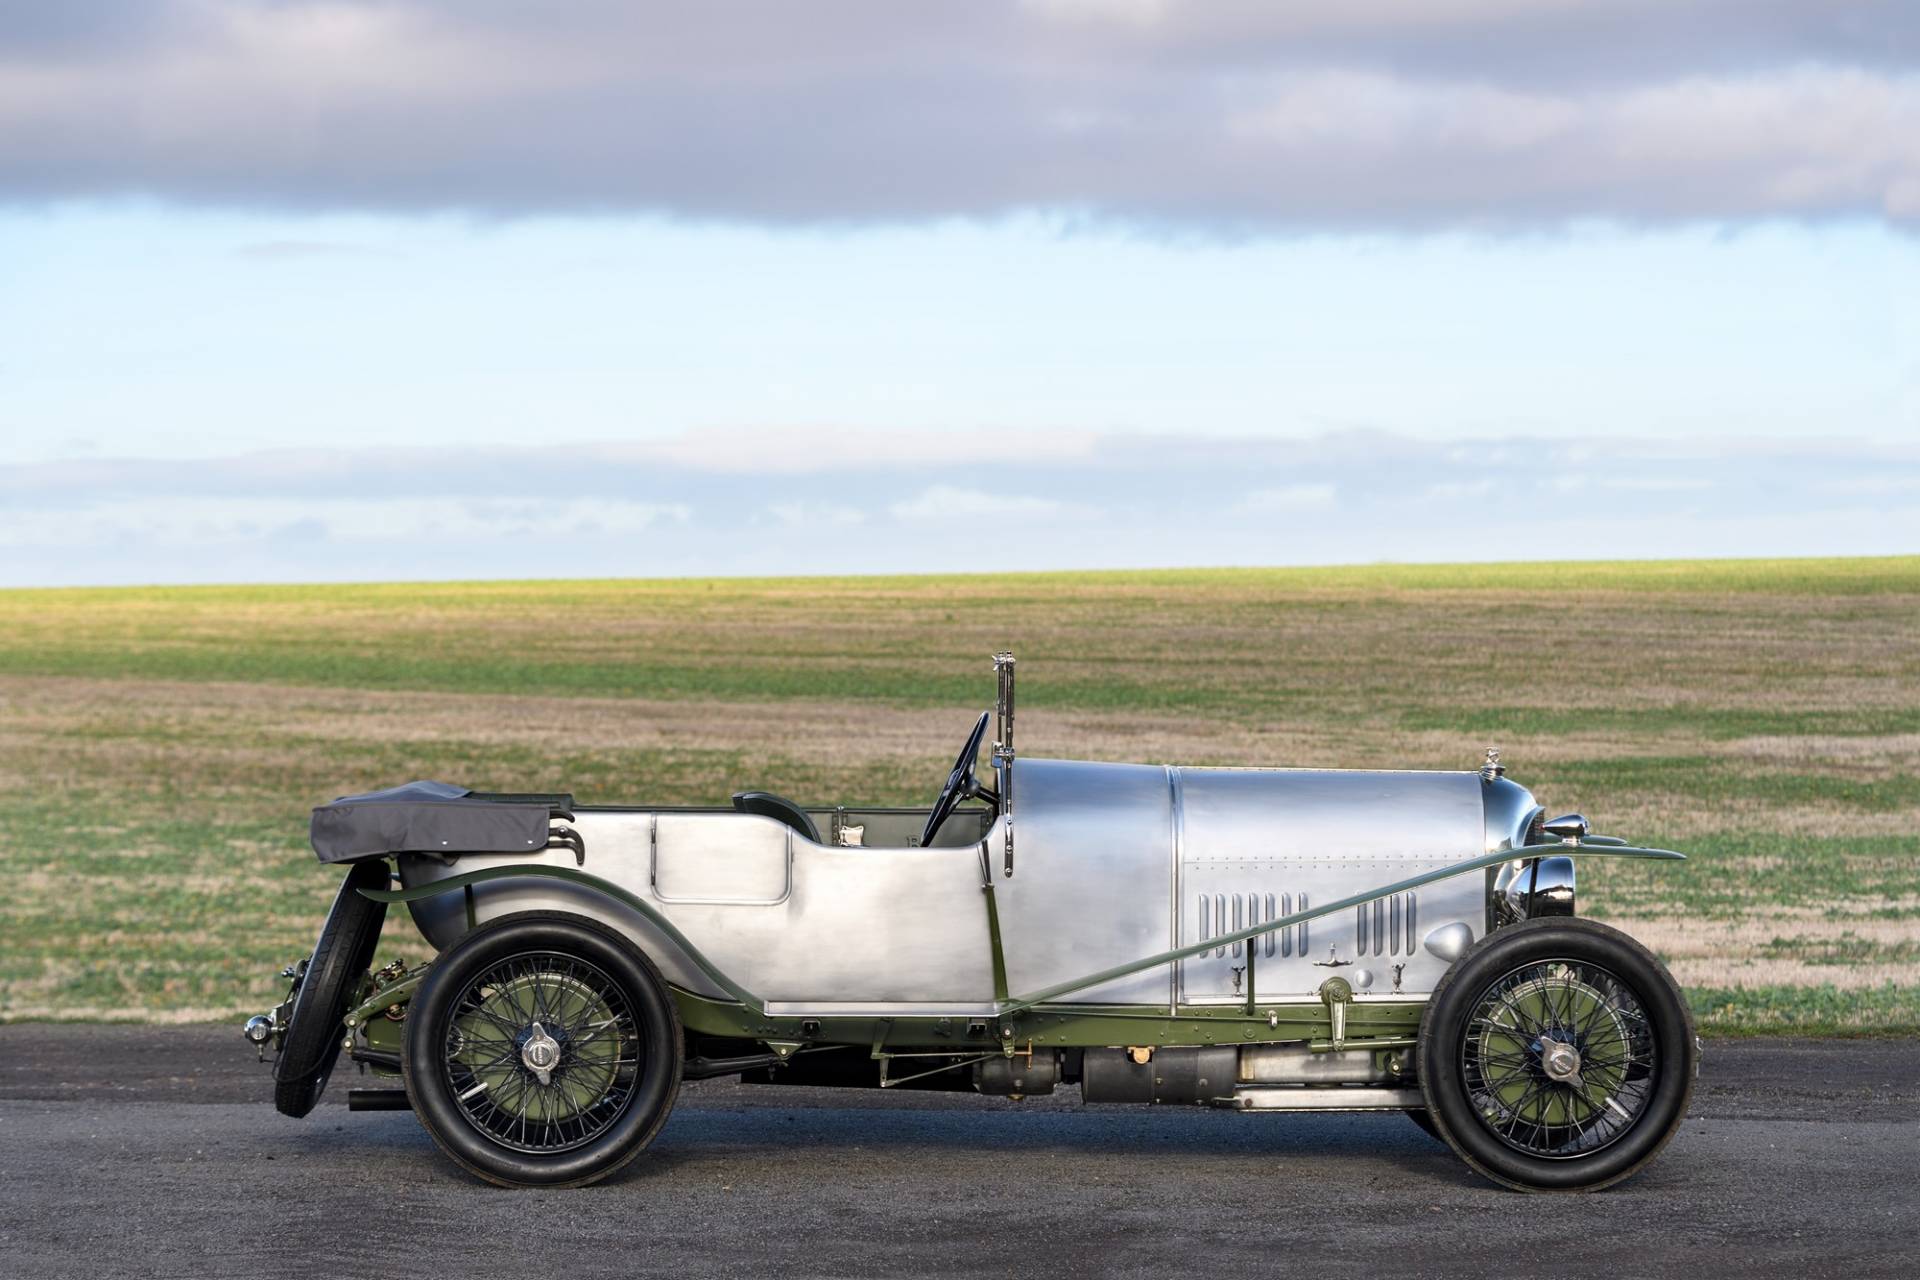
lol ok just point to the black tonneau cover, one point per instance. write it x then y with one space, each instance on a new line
433 817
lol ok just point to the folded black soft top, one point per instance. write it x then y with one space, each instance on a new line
433 817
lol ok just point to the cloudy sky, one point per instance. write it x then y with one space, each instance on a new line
351 290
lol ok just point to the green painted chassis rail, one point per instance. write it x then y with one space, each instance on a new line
1003 1007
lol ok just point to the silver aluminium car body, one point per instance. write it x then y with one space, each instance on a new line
1250 938
1115 862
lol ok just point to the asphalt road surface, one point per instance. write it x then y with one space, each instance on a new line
153 1152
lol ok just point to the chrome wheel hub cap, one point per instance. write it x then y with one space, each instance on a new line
1560 1061
540 1054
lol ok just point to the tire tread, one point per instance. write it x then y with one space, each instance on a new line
1594 933
315 1032
450 1132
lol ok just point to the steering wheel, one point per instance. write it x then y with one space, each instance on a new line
961 783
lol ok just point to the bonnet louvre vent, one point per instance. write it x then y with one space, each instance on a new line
1224 913
1386 926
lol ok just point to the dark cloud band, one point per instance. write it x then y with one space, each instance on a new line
1228 116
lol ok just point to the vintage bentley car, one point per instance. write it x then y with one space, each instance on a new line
1255 939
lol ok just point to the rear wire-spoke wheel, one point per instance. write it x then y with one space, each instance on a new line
1557 1055
542 1051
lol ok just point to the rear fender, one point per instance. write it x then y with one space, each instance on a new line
445 910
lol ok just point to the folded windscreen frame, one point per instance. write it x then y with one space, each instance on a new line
435 818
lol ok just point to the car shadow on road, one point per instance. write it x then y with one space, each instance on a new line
1171 1137
1127 1149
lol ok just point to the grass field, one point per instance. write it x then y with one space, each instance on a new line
160 748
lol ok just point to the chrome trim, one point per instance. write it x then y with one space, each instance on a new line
1510 814
1339 1097
1553 887
1526 889
1002 756
1560 1061
1509 810
1570 827
882 1009
540 1054
1297 1064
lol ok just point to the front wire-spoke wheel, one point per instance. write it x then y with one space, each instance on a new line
543 1050
1558 1058
1557 1055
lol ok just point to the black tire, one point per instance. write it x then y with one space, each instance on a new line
457 1007
1425 1122
341 958
1627 1000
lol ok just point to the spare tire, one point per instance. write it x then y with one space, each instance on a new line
341 958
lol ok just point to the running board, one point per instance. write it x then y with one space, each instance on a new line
1285 1097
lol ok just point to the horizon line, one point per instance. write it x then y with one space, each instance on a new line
1305 569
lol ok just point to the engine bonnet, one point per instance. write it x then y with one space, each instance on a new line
1118 861
1210 813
